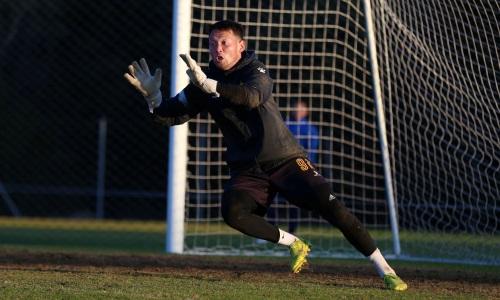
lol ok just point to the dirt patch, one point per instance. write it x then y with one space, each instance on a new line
254 269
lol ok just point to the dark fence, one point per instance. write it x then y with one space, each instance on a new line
75 138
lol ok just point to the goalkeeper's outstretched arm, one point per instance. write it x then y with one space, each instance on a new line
180 108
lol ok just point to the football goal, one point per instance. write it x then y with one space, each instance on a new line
403 97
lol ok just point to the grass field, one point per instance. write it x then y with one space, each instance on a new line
42 275
78 259
149 237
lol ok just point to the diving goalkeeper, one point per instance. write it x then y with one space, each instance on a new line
263 156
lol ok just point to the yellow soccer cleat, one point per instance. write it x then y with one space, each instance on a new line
393 282
299 251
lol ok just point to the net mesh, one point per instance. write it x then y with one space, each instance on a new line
71 127
439 66
316 53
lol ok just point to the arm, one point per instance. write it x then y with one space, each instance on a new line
314 143
314 137
181 108
250 93
256 89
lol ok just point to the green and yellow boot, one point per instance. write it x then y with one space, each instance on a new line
299 251
393 282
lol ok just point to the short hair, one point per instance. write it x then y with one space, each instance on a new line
296 102
236 27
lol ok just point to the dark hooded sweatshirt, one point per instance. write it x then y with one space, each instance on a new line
245 112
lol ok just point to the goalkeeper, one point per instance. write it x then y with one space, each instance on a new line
262 154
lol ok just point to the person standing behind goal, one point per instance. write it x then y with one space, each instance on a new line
263 156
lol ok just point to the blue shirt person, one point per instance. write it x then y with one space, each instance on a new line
302 128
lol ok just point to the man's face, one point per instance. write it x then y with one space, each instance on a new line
225 48
301 112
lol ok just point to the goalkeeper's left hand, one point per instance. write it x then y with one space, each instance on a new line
199 78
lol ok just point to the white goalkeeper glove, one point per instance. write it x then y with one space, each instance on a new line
199 78
149 86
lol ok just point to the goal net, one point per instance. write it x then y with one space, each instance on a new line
316 53
438 64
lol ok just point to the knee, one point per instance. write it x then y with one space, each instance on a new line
323 197
235 205
230 213
330 208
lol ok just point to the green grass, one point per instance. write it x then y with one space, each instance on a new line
145 238
82 235
102 283
69 285
149 237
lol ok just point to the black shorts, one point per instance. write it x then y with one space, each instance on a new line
295 180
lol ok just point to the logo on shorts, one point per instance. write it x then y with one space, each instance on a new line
332 197
316 173
262 70
302 164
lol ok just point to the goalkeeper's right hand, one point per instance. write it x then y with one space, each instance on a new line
149 86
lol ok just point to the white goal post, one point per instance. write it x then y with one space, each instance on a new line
177 157
379 106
